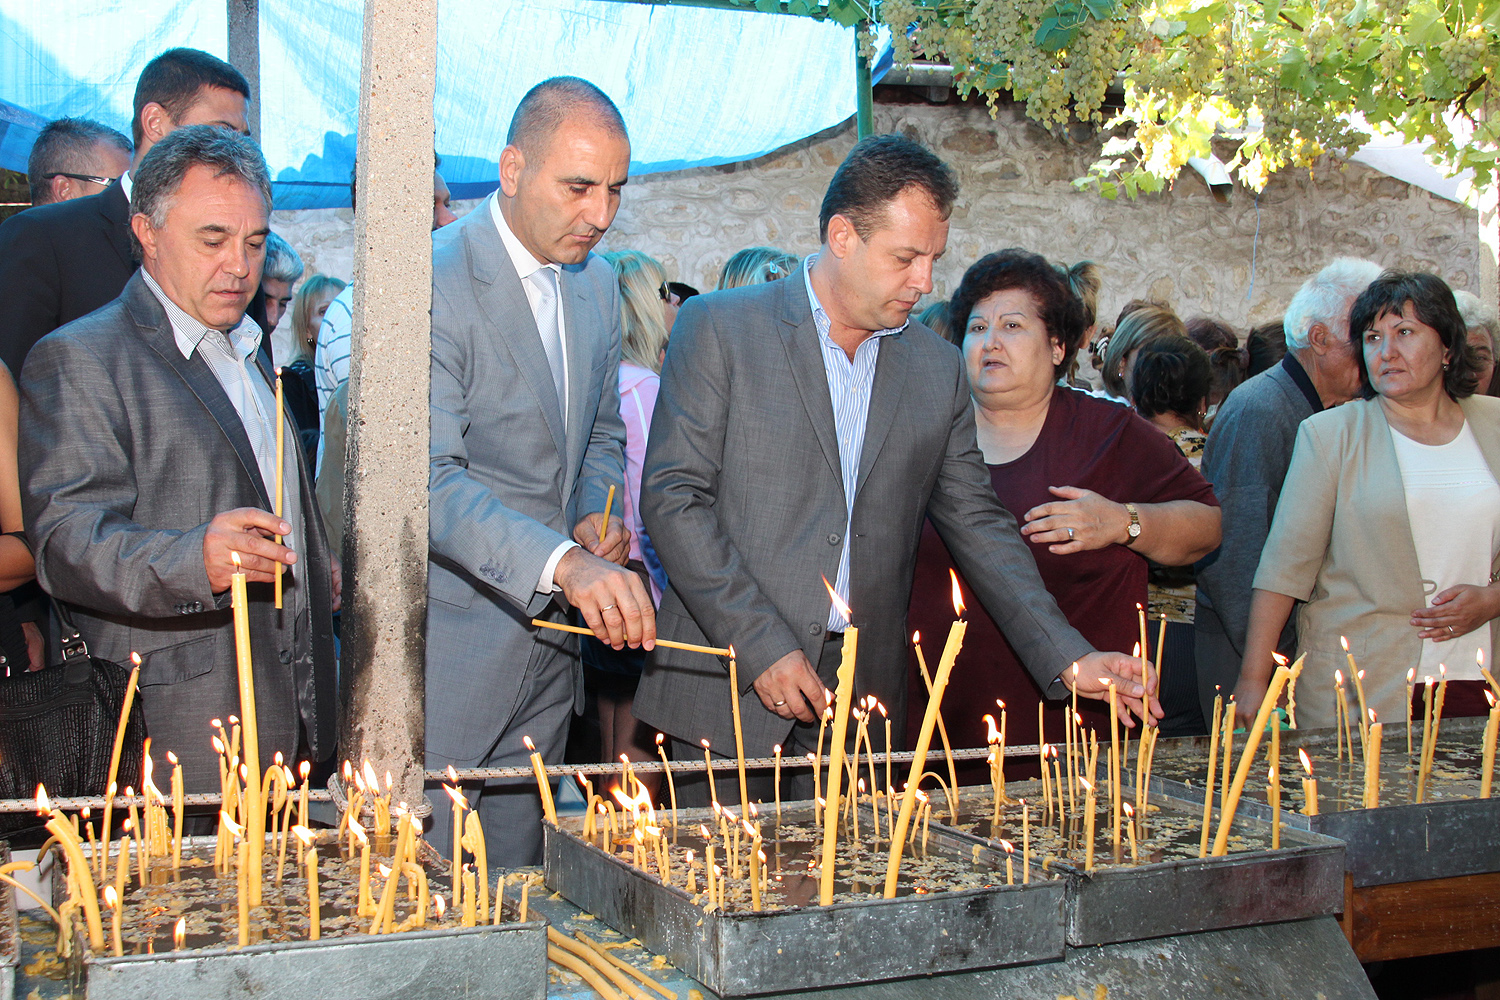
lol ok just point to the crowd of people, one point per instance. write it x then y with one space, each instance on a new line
811 419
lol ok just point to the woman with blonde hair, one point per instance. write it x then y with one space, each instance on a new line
757 266
643 323
1142 323
297 375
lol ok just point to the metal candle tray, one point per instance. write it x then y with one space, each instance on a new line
10 933
504 962
1304 878
808 947
1397 842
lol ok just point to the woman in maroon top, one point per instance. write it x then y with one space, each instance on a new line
1099 491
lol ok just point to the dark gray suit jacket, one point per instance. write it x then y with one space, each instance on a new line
508 480
743 499
128 450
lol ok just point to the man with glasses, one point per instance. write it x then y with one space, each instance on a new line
74 158
59 262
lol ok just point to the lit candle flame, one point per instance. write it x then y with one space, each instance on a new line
731 651
135 658
235 830
659 739
1338 678
1490 697
839 603
1344 642
358 829
1129 812
881 709
456 796
278 759
43 802
387 779
776 749
179 933
1281 661
958 597
287 772
1479 658
1411 675
171 758
1007 846
993 734
304 769
1085 783
437 901
111 898
705 743
386 872
348 771
372 782
916 638
1372 717
1306 761
305 835
235 556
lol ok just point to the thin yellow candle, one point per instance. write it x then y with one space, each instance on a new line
470 912
459 805
1161 645
310 855
755 856
1130 829
112 902
889 789
1089 805
365 904
1140 651
543 783
1491 731
924 739
122 860
280 474
1309 785
1291 689
739 734
609 503
255 813
1359 693
843 703
1341 713
1010 871
710 868
1273 783
916 639
1372 763
1025 843
1247 757
474 841
1411 683
665 643
671 785
776 751
1427 686
241 888
58 825
177 797
106 831
708 765
1114 753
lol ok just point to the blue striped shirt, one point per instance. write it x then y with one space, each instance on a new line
849 387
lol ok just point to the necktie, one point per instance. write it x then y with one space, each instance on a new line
544 281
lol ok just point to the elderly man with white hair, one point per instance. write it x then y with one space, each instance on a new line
1483 325
1249 450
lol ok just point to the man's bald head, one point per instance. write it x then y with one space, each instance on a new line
550 103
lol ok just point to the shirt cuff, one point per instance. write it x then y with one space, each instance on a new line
546 585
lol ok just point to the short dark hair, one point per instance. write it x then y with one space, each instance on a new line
1061 309
1211 334
874 173
935 318
551 102
162 169
1265 345
67 146
1432 301
175 79
1085 280
1171 375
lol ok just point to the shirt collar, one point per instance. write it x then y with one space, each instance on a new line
126 184
525 263
820 315
244 336
1303 380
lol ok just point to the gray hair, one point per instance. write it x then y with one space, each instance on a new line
552 102
1476 313
156 180
67 146
282 262
1325 298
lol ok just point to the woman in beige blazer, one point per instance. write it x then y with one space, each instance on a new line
1389 523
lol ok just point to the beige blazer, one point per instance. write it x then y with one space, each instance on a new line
1341 541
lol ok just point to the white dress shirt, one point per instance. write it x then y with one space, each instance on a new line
526 264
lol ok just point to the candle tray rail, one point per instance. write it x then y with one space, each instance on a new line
809 947
1399 841
10 933
486 962
1117 903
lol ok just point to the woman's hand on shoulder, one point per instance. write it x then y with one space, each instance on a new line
1457 611
1081 521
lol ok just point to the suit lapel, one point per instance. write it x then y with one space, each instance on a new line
509 313
156 330
114 217
885 402
799 336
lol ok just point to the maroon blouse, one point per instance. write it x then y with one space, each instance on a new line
1085 442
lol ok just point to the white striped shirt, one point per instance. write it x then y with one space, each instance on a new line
849 387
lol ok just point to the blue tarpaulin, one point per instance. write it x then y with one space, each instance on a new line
696 86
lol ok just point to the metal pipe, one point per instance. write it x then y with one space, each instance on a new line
864 93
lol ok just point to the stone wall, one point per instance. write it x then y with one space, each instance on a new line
1182 247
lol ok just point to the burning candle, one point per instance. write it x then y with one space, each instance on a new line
1140 651
1359 693
1010 871
310 855
242 896
106 831
1213 766
1341 716
1114 752
112 902
543 783
255 812
1130 828
739 734
459 805
1026 841
843 702
1291 689
888 786
708 764
177 797
365 907
1372 763
1411 685
924 738
1247 757
1309 785
280 458
916 639
474 841
179 934
776 751
1088 824
755 862
1273 783
671 786
1491 731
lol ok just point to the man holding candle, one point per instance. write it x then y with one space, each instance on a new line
527 442
804 429
147 463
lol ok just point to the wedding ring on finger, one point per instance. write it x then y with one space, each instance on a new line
1070 534
779 704
610 607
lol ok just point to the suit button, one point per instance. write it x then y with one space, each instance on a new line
197 606
285 655
814 628
834 538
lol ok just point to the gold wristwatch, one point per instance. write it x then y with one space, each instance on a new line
1134 531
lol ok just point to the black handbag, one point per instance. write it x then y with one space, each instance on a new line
57 727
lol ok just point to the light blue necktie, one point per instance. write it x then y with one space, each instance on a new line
544 280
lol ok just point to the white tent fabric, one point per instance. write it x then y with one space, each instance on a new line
696 86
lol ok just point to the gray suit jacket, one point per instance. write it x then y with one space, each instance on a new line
743 499
508 482
127 451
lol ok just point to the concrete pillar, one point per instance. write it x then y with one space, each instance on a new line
244 52
385 499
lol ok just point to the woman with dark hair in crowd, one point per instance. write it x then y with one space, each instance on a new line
1265 345
1389 524
1098 489
935 318
1084 281
1142 323
1227 361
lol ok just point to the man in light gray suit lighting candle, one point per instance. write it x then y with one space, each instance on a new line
526 442
804 429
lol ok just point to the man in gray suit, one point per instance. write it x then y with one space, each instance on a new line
1249 451
147 458
804 429
526 441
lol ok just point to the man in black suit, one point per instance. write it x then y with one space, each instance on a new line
62 261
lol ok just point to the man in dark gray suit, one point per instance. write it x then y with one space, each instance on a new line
804 429
526 441
147 458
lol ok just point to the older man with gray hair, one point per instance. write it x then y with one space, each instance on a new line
147 464
1249 450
